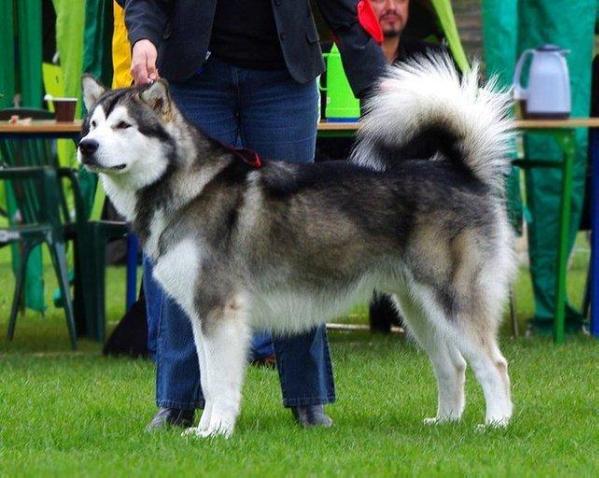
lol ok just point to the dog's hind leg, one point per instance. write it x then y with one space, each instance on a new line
222 340
476 324
448 363
480 348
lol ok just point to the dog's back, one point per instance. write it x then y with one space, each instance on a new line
420 205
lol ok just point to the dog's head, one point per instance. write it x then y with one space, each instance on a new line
127 133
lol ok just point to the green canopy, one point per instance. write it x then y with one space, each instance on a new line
21 72
7 38
80 27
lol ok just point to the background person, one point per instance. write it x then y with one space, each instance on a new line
393 17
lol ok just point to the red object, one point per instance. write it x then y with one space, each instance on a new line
369 21
248 156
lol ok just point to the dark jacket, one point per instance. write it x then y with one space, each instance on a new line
412 47
180 30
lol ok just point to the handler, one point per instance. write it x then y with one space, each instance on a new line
245 72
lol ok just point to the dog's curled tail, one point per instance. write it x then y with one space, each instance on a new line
423 110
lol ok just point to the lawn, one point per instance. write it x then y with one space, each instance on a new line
65 413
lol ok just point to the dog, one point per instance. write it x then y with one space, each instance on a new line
418 212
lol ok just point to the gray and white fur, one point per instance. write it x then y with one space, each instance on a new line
419 213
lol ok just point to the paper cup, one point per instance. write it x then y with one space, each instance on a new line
64 108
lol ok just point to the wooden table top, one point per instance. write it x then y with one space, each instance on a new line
49 127
557 123
39 126
518 124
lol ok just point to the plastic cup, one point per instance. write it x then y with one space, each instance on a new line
64 108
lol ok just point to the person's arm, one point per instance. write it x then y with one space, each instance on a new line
146 21
362 57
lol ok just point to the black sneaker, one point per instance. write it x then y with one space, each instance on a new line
171 417
311 416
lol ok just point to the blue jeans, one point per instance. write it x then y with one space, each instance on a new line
270 113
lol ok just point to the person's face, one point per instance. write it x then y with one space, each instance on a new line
392 15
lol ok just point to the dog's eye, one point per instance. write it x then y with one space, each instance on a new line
123 125
94 124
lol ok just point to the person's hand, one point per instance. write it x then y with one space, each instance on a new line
143 62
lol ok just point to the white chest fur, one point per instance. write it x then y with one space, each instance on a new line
177 272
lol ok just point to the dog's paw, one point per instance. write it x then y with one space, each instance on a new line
216 427
191 432
441 420
220 425
196 432
493 424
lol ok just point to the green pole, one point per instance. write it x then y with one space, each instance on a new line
568 144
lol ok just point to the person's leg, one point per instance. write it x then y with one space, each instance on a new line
205 101
213 109
178 392
153 301
278 120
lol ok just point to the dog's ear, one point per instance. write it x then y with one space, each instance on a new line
92 90
157 97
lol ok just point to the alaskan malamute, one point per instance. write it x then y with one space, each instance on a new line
418 212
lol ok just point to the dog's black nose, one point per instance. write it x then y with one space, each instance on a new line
88 146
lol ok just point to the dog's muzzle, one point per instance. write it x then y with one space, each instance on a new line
88 148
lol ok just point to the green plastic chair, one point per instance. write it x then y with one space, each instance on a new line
89 237
37 190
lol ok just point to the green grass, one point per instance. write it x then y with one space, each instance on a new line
65 413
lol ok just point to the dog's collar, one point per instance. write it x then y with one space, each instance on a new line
248 156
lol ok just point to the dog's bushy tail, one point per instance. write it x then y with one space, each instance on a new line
423 110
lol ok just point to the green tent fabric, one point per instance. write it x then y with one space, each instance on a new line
97 60
20 71
500 32
7 46
569 25
83 34
29 17
21 66
70 18
7 72
70 23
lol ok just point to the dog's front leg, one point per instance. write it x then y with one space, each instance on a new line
222 340
207 412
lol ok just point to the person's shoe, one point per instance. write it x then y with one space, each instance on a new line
171 417
311 416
